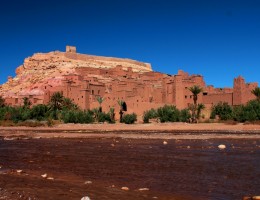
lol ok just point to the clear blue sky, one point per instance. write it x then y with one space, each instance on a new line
219 39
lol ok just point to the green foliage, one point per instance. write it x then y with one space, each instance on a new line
100 100
129 118
242 113
68 104
56 102
239 114
223 110
256 92
149 114
200 107
168 113
26 103
112 115
185 115
120 103
195 90
39 112
82 117
102 117
252 110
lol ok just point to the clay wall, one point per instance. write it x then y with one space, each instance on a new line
213 99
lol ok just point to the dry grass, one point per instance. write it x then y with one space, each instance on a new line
230 122
252 122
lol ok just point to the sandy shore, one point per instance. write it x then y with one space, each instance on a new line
145 131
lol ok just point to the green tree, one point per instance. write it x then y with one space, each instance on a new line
69 104
256 92
112 114
26 103
195 90
56 102
200 107
100 101
223 110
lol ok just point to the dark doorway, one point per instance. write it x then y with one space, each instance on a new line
124 106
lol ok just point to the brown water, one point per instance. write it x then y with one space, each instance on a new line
182 169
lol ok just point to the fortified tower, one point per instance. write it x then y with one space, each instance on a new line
70 49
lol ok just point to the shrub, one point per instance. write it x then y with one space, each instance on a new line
149 114
185 115
168 113
129 118
38 112
239 114
223 110
77 117
102 117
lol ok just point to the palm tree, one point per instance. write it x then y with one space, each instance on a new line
26 103
256 92
56 101
2 102
195 90
200 107
100 101
69 104
121 103
112 114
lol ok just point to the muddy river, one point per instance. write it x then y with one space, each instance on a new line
100 167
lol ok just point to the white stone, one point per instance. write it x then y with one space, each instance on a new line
50 178
143 189
221 146
88 182
125 188
85 198
164 142
44 175
19 171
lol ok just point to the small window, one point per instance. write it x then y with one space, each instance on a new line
205 93
92 92
185 96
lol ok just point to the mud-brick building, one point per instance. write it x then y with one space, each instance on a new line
83 78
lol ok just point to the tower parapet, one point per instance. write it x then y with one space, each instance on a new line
70 49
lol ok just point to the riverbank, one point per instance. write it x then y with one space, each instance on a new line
145 131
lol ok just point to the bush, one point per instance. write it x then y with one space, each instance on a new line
149 114
168 113
223 110
129 118
38 112
81 117
102 117
185 115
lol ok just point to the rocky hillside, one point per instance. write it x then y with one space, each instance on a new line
49 68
